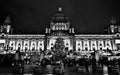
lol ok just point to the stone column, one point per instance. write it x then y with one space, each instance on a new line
74 44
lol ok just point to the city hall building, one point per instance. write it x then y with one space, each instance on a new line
59 27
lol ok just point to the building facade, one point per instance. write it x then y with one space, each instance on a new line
59 27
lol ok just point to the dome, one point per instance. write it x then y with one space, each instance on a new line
59 21
60 17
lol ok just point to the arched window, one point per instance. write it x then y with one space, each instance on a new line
78 44
78 49
51 48
40 44
19 46
86 49
66 43
51 44
108 46
93 45
40 49
33 47
26 47
100 47
94 49
11 48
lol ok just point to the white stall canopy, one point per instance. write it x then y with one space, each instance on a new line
2 40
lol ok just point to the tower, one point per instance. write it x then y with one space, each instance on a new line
6 26
113 26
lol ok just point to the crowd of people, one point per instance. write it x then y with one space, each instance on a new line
8 60
86 62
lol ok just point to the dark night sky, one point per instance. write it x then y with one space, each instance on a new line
30 16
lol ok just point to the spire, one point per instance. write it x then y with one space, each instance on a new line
7 24
60 9
7 20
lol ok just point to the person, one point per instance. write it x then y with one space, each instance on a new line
17 56
62 66
86 64
41 55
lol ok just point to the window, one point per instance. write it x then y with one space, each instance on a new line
40 49
52 44
40 44
19 46
66 43
11 48
51 48
86 49
26 49
12 44
78 44
78 49
26 45
33 48
100 48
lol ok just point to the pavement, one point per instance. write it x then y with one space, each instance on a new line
29 71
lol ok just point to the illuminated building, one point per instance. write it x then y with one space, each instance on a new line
59 27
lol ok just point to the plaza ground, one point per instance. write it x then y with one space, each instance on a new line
29 71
